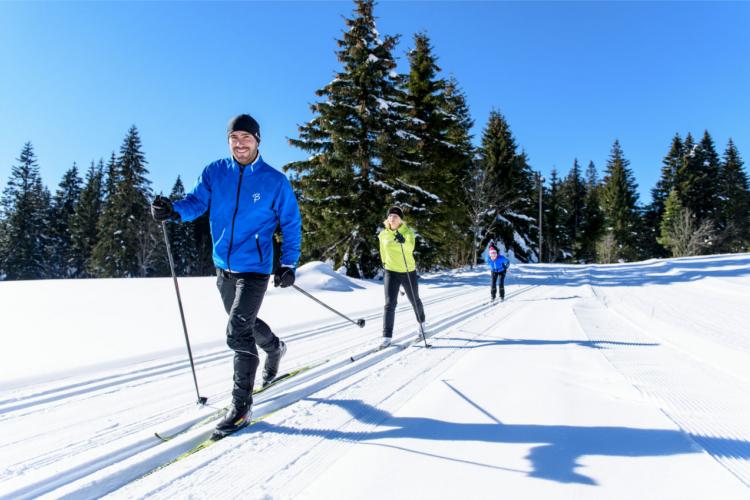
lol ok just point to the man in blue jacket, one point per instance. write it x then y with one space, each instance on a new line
499 265
247 200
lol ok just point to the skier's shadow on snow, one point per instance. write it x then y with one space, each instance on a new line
556 449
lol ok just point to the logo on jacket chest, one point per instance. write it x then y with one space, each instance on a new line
256 197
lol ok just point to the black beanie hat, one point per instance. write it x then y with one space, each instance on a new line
397 211
244 123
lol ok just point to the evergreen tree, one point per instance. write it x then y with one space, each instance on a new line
734 193
671 165
512 183
182 240
573 202
204 265
127 235
462 166
441 163
83 223
480 202
62 257
112 177
556 241
696 178
361 153
592 226
619 198
24 234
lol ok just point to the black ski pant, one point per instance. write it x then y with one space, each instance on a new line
493 290
242 295
393 281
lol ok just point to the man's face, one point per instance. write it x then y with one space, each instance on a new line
244 146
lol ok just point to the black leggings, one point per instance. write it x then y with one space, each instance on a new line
393 281
495 275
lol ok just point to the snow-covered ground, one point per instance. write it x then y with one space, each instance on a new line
622 381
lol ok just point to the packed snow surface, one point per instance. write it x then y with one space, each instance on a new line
619 381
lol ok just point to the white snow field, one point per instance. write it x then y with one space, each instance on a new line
589 382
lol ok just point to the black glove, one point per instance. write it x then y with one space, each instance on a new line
283 277
161 209
400 238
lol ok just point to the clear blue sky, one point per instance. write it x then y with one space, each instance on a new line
570 77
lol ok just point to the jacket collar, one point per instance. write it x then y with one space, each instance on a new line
255 165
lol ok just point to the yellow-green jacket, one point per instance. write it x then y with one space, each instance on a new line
390 249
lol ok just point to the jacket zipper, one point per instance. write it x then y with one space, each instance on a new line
257 244
236 208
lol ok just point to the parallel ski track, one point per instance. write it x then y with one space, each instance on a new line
109 382
271 401
386 358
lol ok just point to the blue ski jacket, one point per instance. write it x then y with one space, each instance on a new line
498 265
245 203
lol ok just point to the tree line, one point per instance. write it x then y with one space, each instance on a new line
379 138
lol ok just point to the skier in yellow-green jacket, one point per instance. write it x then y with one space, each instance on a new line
396 253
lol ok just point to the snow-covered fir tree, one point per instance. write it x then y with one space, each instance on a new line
112 177
442 152
619 200
667 182
24 223
66 198
734 196
670 165
361 150
127 235
557 245
459 136
593 217
573 200
480 204
182 239
696 178
512 220
83 223
709 159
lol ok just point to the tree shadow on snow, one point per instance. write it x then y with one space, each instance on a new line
651 272
654 272
556 449
592 344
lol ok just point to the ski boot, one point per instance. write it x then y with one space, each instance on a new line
273 359
236 418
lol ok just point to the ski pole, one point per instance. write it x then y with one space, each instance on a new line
360 322
201 400
411 288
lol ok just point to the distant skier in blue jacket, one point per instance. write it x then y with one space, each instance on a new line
247 200
498 266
